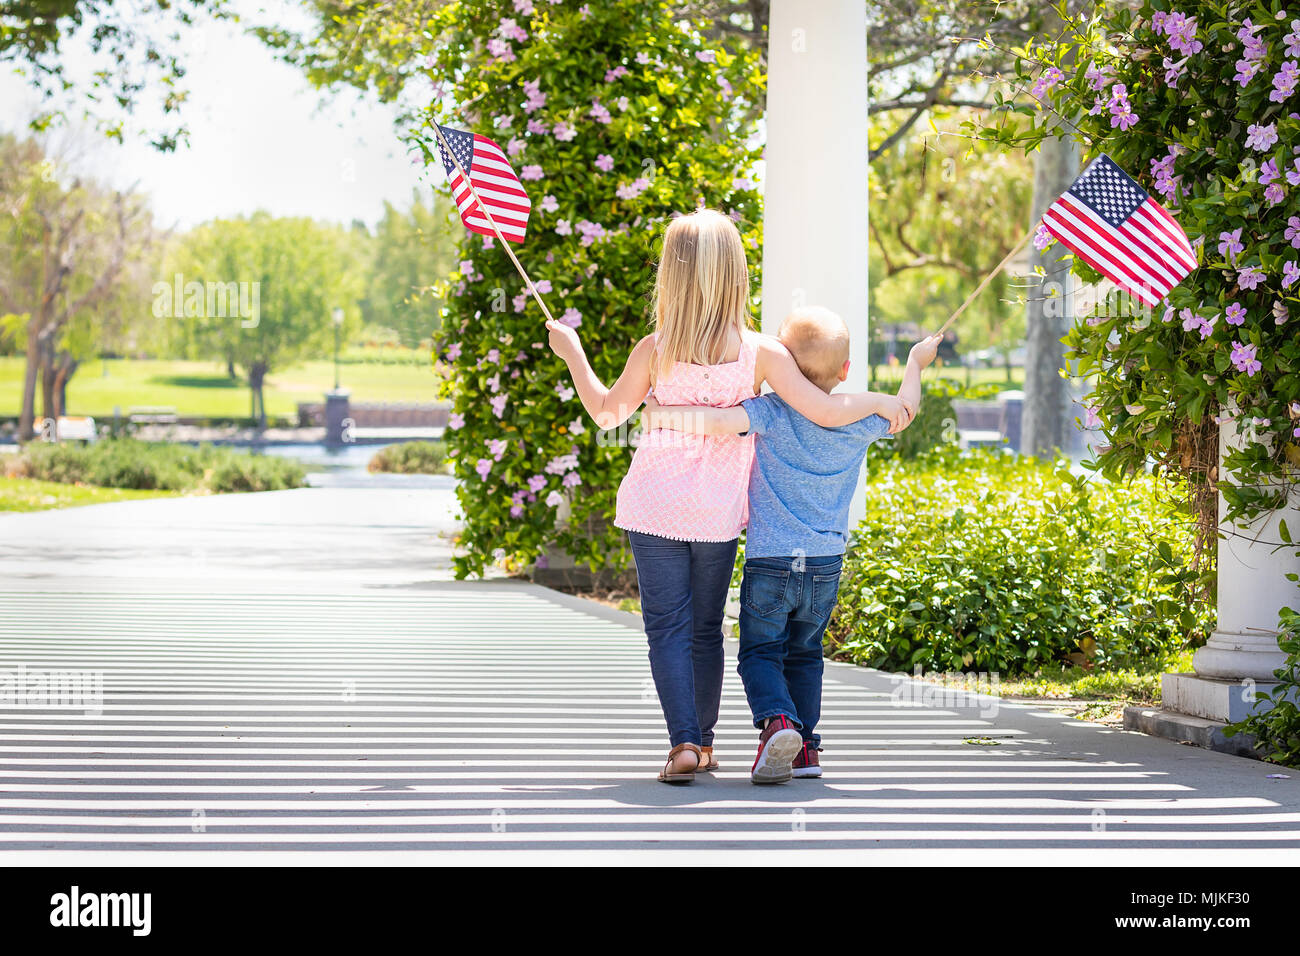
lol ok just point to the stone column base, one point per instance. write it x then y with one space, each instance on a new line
1226 701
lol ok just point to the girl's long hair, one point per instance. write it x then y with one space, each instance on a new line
701 291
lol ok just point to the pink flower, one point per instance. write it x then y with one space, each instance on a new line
564 132
531 172
1090 417
604 162
1098 77
614 74
538 128
543 286
493 356
515 146
554 499
520 301
524 7
706 56
502 52
453 352
563 228
1045 82
599 113
516 511
498 404
457 420
536 483
571 480
571 317
496 448
483 467
548 204
536 98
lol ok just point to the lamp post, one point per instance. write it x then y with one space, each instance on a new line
338 328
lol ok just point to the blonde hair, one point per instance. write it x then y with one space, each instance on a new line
701 291
819 341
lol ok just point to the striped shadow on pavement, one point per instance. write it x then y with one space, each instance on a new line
499 718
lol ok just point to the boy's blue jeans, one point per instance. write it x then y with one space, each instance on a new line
683 588
785 604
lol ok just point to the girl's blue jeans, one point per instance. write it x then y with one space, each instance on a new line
683 592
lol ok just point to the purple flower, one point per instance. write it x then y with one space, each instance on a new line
455 421
1098 77
1261 137
1292 39
614 74
496 448
706 56
498 404
493 356
538 128
1250 277
1042 238
520 302
536 483
1090 417
483 467
571 317
1280 313
564 132
548 204
516 511
1230 245
1274 194
563 228
1284 81
604 162
1049 79
453 352
1174 71
531 172
515 146
1235 314
524 7
502 52
599 113
554 499
1290 273
571 480
1243 358
543 286
1122 116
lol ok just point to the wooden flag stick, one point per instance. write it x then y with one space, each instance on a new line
492 222
984 282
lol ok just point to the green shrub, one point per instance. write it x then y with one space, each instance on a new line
126 463
935 423
992 562
1277 730
412 458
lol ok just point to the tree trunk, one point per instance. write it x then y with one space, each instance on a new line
67 366
1044 428
27 416
48 410
256 377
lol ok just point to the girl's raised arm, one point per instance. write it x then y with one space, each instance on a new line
608 407
777 366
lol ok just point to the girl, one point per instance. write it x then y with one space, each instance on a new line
683 502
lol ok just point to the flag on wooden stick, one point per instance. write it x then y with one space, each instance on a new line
1110 222
494 184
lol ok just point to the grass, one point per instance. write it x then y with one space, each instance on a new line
28 494
1086 693
203 390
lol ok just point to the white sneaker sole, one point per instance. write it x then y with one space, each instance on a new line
807 771
776 763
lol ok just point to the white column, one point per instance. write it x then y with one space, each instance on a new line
1241 655
815 183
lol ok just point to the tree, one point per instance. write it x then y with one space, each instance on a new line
258 292
133 56
412 249
66 252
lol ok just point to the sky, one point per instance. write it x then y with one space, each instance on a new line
260 138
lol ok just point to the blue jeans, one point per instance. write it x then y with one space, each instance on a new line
683 592
785 604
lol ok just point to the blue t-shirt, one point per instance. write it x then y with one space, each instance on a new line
803 479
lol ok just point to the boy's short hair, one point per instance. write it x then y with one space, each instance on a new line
819 341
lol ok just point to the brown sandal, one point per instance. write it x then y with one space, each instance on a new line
671 773
707 762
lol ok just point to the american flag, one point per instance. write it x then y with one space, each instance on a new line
1111 223
496 183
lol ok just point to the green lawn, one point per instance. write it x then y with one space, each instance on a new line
28 494
202 389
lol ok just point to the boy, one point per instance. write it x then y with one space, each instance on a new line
800 488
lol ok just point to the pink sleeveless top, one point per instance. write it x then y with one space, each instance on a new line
693 487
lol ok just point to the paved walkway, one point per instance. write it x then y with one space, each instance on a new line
295 674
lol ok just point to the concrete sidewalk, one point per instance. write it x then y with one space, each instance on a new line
293 677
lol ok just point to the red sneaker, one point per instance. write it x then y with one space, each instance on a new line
806 763
777 747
